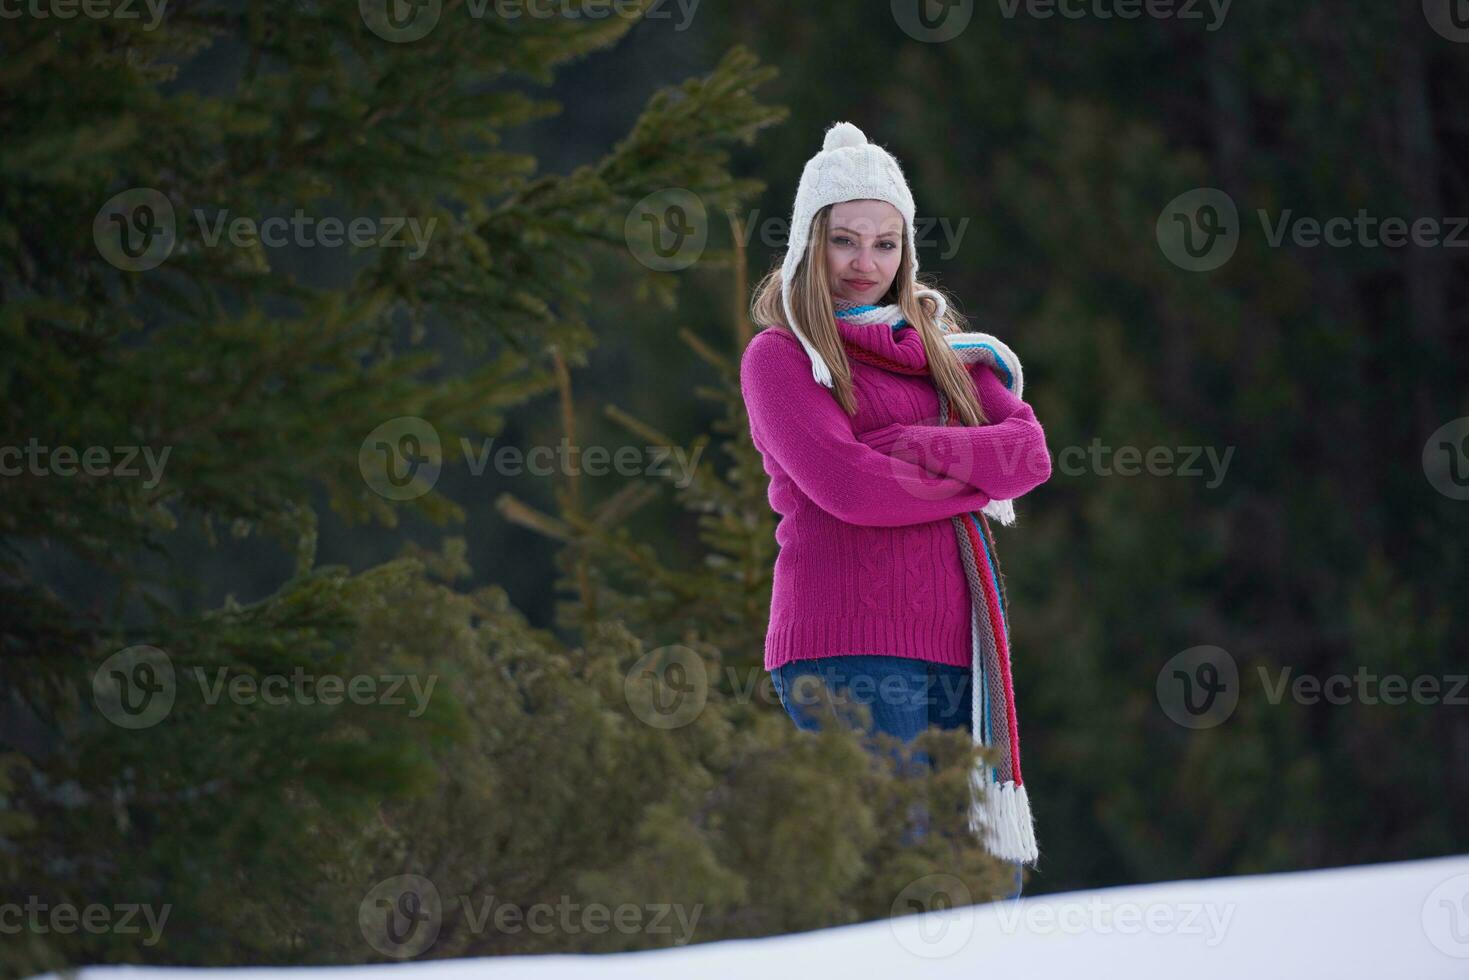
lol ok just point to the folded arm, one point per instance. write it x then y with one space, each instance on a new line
1005 458
804 429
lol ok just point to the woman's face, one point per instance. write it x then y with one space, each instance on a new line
863 249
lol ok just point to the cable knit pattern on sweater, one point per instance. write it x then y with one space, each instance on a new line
868 561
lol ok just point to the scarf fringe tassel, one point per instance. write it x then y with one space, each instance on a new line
1000 814
1001 510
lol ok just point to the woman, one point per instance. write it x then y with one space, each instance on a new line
888 434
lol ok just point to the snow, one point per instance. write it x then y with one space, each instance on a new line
1398 921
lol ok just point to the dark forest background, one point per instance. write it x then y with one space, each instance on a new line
1102 194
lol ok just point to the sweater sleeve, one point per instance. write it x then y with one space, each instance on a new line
802 428
1006 457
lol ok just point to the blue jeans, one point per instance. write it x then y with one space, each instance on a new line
906 697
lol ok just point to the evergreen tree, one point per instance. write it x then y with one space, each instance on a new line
140 760
1324 371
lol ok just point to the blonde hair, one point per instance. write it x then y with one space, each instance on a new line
811 302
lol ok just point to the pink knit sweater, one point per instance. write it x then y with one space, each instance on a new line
868 560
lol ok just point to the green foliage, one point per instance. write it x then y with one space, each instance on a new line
1056 143
515 765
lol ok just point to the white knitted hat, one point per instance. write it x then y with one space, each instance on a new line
847 168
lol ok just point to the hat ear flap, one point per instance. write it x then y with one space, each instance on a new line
941 305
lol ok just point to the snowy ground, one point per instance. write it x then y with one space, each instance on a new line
1399 921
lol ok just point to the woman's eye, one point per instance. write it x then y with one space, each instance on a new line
844 240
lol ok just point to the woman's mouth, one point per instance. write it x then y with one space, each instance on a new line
861 283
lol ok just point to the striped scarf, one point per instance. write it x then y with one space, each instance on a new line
999 805
970 348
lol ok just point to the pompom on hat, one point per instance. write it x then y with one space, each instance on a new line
847 168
